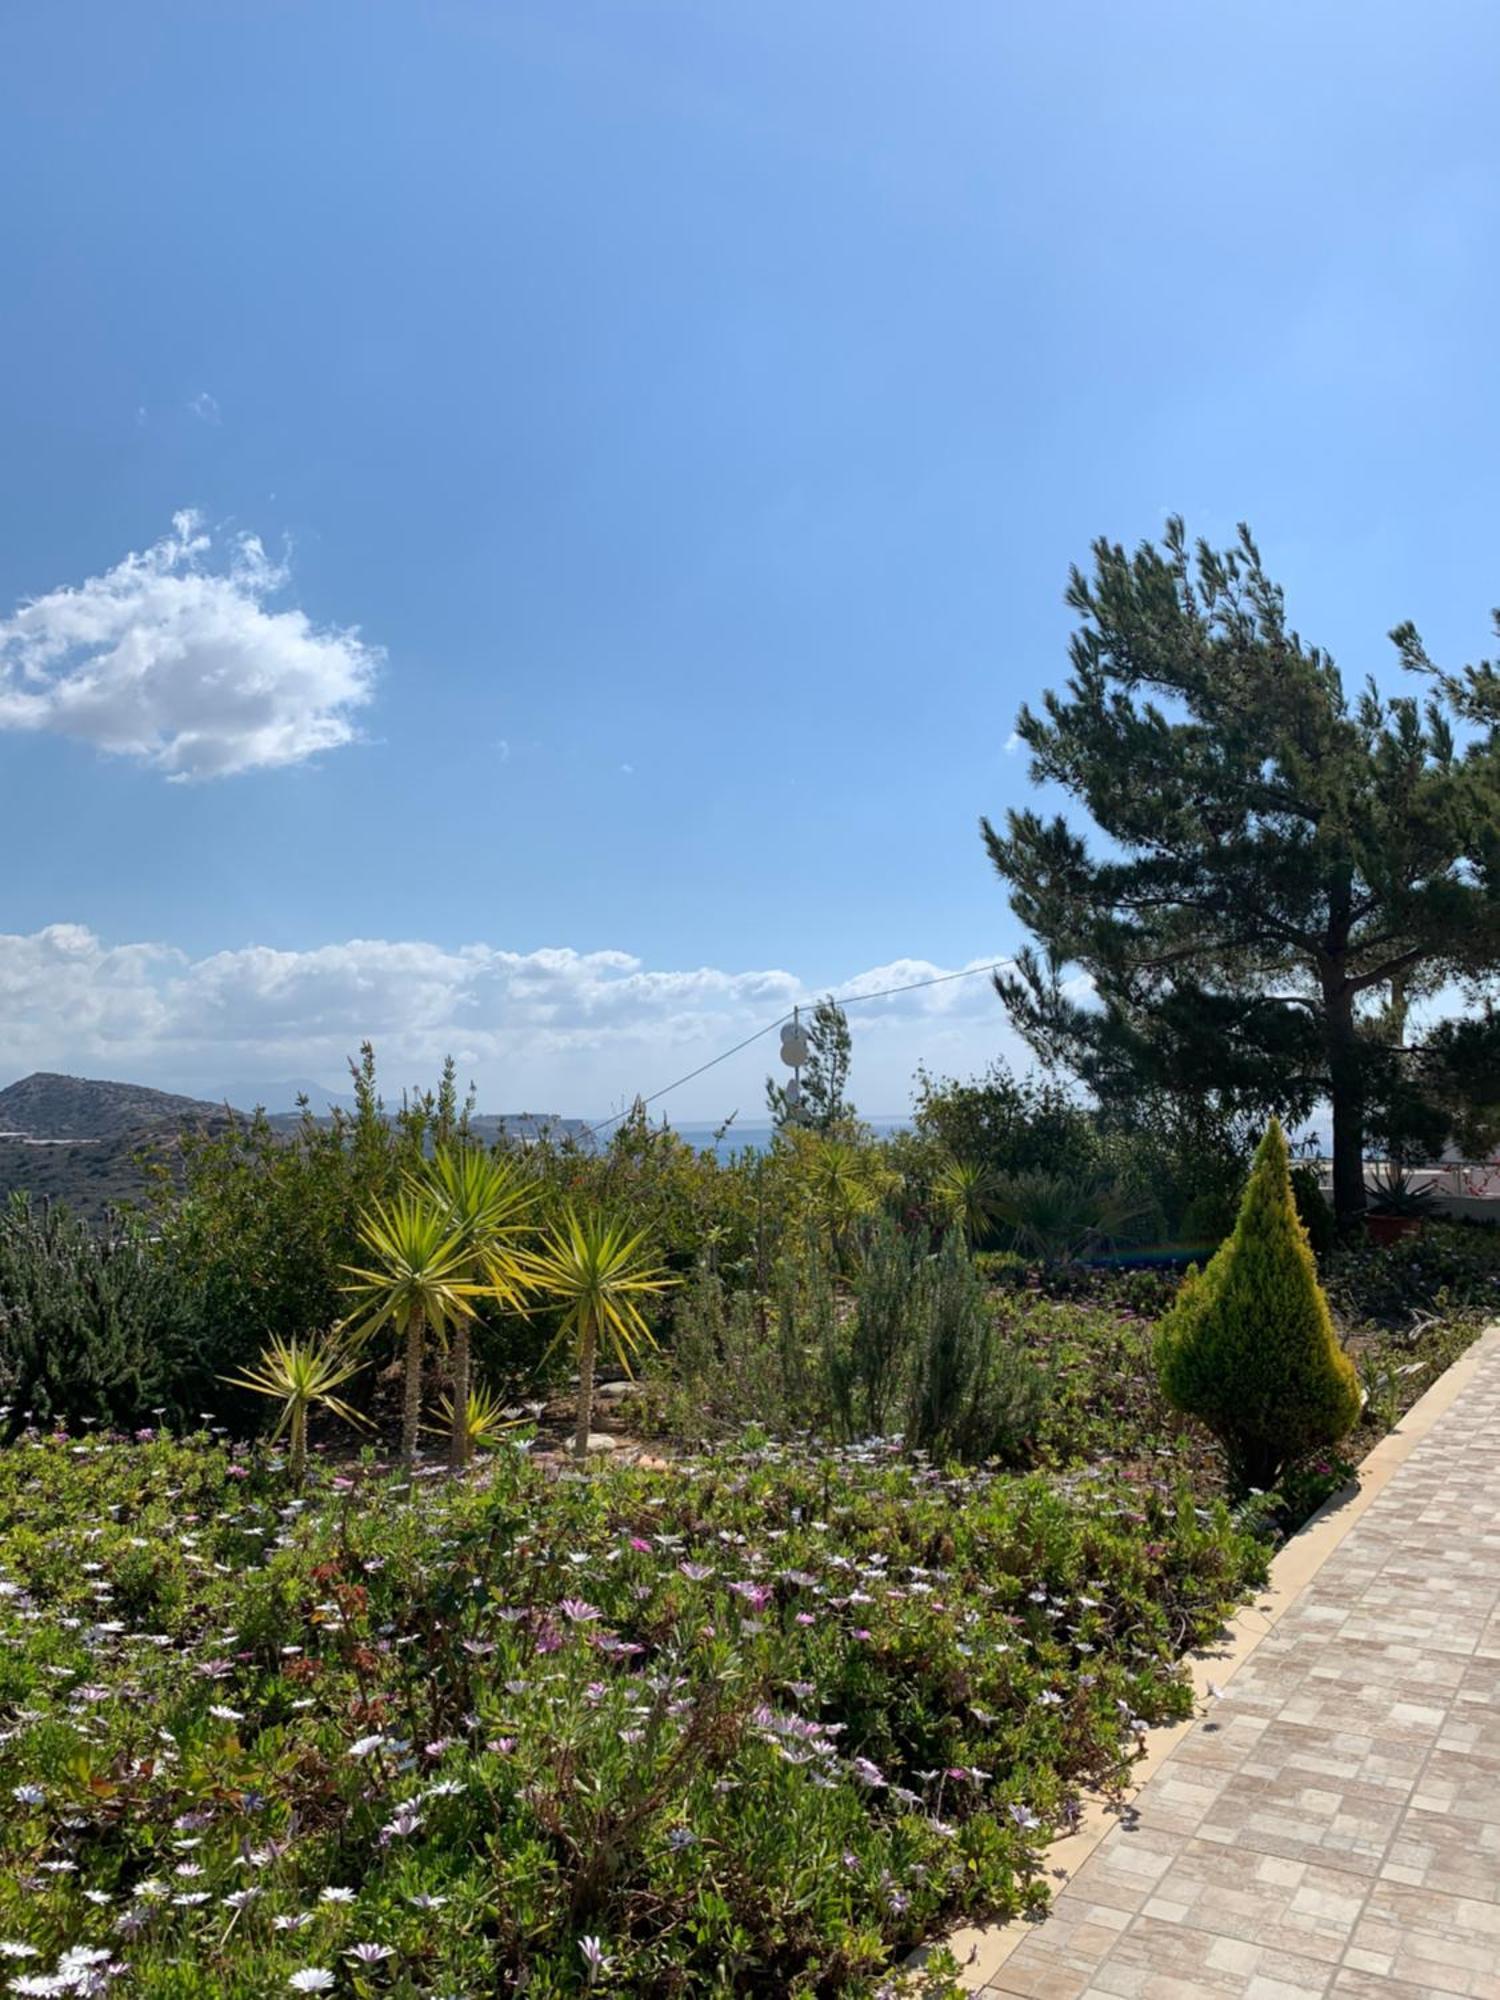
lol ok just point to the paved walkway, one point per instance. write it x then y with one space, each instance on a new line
1332 1825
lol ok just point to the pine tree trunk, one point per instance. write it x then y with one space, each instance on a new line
1346 1097
458 1442
411 1408
585 1391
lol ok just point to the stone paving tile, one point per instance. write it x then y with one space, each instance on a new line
1365 1757
1080 1932
1353 1983
1291 1906
1471 1729
1352 1713
1152 1960
1161 1961
1179 1797
1404 1667
1129 1866
1463 1784
1337 1823
1332 1825
1459 1857
1448 1943
1221 1745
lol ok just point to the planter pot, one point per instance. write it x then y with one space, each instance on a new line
1388 1229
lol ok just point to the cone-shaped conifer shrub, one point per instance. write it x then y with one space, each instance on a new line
1248 1344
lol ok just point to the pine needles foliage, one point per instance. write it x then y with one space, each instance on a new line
1249 1346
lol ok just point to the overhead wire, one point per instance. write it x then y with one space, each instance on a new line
838 1000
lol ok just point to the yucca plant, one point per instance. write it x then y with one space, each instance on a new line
967 1196
598 1271
1393 1191
486 1423
1058 1218
301 1375
844 1182
417 1277
489 1206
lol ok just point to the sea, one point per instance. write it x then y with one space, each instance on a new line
757 1137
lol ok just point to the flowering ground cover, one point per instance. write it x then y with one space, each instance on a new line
757 1724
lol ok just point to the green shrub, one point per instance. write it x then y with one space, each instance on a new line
265 1220
885 1306
776 1358
1249 1345
1314 1211
1007 1125
723 1369
1174 1151
974 1395
94 1326
1209 1218
1280 1511
1001 1267
1446 1267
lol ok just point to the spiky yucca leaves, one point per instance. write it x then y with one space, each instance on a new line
1249 1344
487 1421
301 1375
490 1207
1059 1217
417 1277
842 1183
598 1271
967 1195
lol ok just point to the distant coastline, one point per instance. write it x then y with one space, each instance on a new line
756 1136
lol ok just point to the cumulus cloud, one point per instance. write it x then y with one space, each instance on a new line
577 1032
181 662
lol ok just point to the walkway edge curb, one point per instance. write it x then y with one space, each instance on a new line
982 1949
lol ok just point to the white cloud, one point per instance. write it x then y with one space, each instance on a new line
206 408
554 1030
183 665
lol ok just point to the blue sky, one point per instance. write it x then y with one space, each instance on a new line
695 410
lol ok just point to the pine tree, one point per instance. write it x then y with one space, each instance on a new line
1249 1346
825 1076
1280 857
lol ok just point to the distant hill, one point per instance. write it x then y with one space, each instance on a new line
47 1106
80 1140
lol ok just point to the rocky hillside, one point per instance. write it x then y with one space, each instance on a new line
46 1106
89 1176
83 1141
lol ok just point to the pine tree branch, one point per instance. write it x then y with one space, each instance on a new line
1391 969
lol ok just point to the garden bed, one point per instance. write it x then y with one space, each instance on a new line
758 1725
756 1722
